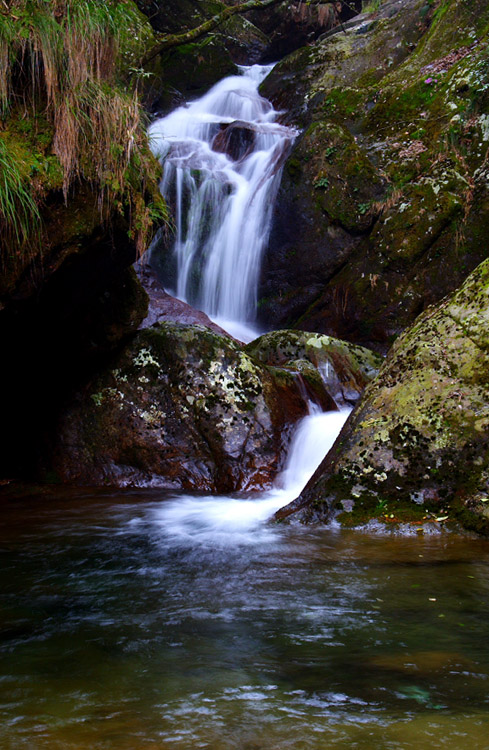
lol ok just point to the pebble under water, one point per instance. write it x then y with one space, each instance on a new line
120 632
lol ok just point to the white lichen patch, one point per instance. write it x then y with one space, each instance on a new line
145 358
153 416
484 126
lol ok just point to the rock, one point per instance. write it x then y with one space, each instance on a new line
418 441
163 307
186 72
181 407
61 314
289 26
345 368
235 139
384 203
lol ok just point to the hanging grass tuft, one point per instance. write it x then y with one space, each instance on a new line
63 58
19 213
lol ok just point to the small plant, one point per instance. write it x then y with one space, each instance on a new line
321 182
330 152
370 6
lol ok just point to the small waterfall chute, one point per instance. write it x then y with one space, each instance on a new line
221 521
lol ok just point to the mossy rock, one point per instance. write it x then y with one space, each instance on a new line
344 180
181 406
419 435
345 368
390 218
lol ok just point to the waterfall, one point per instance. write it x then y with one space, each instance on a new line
222 160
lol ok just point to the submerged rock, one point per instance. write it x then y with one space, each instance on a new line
345 368
418 441
180 407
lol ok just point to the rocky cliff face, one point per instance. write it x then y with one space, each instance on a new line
383 207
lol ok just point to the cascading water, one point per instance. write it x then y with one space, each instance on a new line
222 157
227 521
222 160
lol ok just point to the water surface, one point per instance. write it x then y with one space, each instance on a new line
119 632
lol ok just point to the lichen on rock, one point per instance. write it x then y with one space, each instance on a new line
181 406
418 440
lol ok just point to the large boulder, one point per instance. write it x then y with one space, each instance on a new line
418 442
384 203
182 407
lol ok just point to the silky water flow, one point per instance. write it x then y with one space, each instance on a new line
222 162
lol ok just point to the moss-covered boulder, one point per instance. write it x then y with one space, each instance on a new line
384 204
345 369
180 407
418 442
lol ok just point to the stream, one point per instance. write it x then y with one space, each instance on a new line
120 631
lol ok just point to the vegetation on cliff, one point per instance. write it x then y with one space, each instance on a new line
70 112
385 197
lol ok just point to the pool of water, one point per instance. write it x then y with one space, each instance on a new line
127 623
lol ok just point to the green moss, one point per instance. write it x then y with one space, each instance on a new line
389 511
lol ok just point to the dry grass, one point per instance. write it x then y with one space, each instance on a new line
324 14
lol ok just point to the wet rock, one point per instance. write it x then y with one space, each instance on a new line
163 307
180 407
345 368
235 139
418 439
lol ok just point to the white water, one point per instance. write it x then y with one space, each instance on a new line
223 209
222 521
223 206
